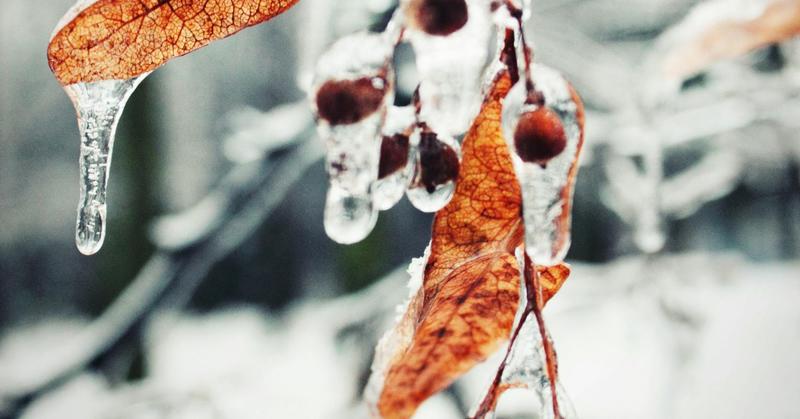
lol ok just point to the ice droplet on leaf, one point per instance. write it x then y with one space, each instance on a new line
437 165
451 71
396 161
99 106
546 140
351 92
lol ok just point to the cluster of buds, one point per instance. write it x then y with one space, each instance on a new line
378 152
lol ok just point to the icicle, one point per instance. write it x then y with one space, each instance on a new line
99 106
546 138
352 90
437 164
349 218
396 163
450 67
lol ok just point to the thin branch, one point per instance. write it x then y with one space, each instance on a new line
256 196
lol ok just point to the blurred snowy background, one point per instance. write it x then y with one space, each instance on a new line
217 294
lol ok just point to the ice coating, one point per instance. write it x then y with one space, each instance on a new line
525 368
546 188
99 106
349 218
353 152
389 190
434 181
399 336
451 69
350 94
525 364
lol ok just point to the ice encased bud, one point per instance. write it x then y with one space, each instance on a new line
551 138
438 160
396 161
436 17
539 136
451 71
351 91
343 102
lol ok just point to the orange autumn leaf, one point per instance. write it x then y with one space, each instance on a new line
551 279
121 39
466 306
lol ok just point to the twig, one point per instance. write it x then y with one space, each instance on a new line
256 196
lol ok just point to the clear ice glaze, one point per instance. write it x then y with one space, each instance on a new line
451 71
526 368
418 194
546 190
390 190
353 150
99 106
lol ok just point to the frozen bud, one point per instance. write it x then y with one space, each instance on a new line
342 102
539 136
351 93
353 81
450 68
396 165
544 129
438 164
394 154
437 17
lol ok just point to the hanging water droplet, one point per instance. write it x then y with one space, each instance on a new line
396 161
546 139
351 92
451 68
348 218
437 166
99 106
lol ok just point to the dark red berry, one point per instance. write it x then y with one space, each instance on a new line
438 162
394 154
439 17
539 136
343 102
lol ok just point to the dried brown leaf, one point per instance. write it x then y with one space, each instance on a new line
121 39
470 294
